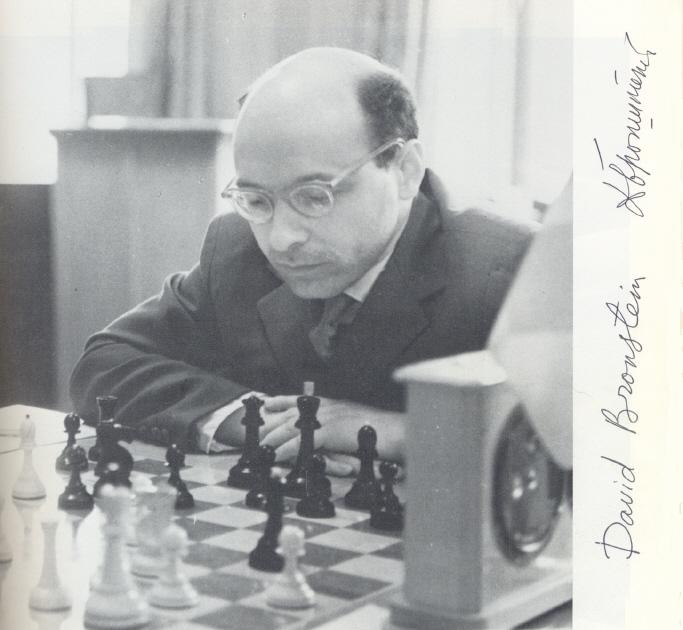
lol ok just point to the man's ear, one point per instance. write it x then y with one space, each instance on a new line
411 169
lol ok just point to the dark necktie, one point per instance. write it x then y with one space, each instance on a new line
337 310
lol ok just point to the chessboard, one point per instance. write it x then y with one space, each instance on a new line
347 563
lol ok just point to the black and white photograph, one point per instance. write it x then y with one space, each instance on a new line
288 304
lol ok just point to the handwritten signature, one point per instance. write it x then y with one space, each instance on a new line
628 169
628 318
617 535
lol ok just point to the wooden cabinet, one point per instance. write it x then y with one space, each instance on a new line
131 205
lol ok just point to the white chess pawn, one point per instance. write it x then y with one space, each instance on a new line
28 485
173 589
155 507
141 484
290 589
49 594
5 549
27 509
114 601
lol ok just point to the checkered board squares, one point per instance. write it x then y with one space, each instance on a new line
346 561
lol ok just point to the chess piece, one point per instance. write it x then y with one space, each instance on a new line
49 594
256 497
48 620
72 424
106 405
265 557
28 486
27 509
242 473
173 589
290 589
75 518
175 460
307 424
140 485
316 503
155 509
362 493
114 601
110 433
387 512
75 495
111 476
5 549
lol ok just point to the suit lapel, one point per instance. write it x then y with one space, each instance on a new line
287 320
392 315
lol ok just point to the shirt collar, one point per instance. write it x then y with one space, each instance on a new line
360 289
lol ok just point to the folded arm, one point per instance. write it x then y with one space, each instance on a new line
162 360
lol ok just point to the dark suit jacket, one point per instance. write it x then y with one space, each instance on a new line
230 325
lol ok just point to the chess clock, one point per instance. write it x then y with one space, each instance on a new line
488 524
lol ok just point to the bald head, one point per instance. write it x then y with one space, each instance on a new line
319 64
340 88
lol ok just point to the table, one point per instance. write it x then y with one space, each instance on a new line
354 570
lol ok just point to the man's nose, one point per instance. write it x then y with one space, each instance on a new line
287 228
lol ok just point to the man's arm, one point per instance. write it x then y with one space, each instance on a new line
161 360
340 420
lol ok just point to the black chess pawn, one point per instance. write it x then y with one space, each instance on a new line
106 405
175 460
242 473
75 495
316 503
307 424
256 497
265 557
72 424
387 512
364 489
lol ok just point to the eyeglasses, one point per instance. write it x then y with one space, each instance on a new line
312 199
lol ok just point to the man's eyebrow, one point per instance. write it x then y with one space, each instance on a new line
308 177
245 183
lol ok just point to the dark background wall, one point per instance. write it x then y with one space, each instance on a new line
26 312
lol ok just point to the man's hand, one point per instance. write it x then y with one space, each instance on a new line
340 422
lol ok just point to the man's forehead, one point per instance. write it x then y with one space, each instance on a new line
317 135
279 161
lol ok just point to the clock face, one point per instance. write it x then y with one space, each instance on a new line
527 492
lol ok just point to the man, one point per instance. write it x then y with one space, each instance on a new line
341 263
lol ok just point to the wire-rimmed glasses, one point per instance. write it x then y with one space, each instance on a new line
312 199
